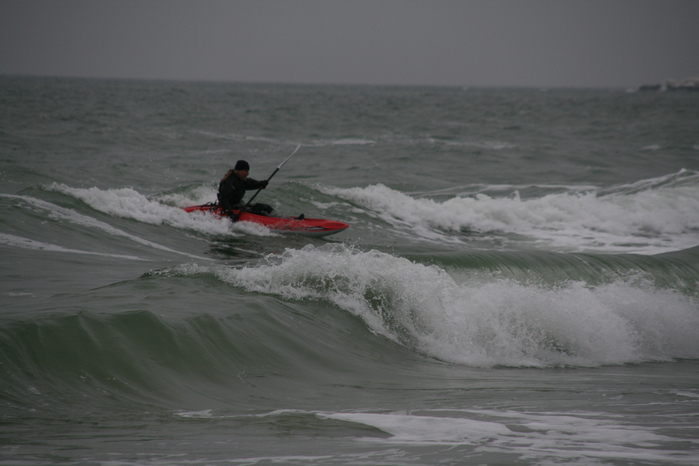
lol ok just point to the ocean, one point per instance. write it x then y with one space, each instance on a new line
518 284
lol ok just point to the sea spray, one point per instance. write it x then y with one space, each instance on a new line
482 322
647 217
128 203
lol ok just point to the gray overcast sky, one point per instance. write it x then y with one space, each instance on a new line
581 43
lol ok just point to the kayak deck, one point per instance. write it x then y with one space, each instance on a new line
297 225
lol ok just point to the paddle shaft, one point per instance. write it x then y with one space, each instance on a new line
270 176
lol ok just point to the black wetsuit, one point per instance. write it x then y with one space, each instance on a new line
231 191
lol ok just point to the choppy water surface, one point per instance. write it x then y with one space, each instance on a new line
518 284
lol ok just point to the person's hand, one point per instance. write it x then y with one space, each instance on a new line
263 184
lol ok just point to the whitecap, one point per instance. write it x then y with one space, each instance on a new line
483 323
655 216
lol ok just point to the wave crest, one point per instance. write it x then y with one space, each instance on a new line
650 216
477 322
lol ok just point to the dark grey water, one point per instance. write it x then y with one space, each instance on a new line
518 284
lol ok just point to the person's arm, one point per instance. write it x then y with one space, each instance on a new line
251 183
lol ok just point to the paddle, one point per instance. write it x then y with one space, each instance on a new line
270 177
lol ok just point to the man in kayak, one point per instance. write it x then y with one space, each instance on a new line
232 188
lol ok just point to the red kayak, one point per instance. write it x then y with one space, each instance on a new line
298 225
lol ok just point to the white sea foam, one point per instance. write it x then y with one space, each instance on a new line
25 243
128 203
657 218
541 438
194 196
204 414
479 323
67 215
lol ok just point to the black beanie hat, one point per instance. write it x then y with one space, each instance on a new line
242 165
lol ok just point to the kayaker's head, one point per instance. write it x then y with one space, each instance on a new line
242 169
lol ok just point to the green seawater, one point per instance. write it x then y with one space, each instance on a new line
518 284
